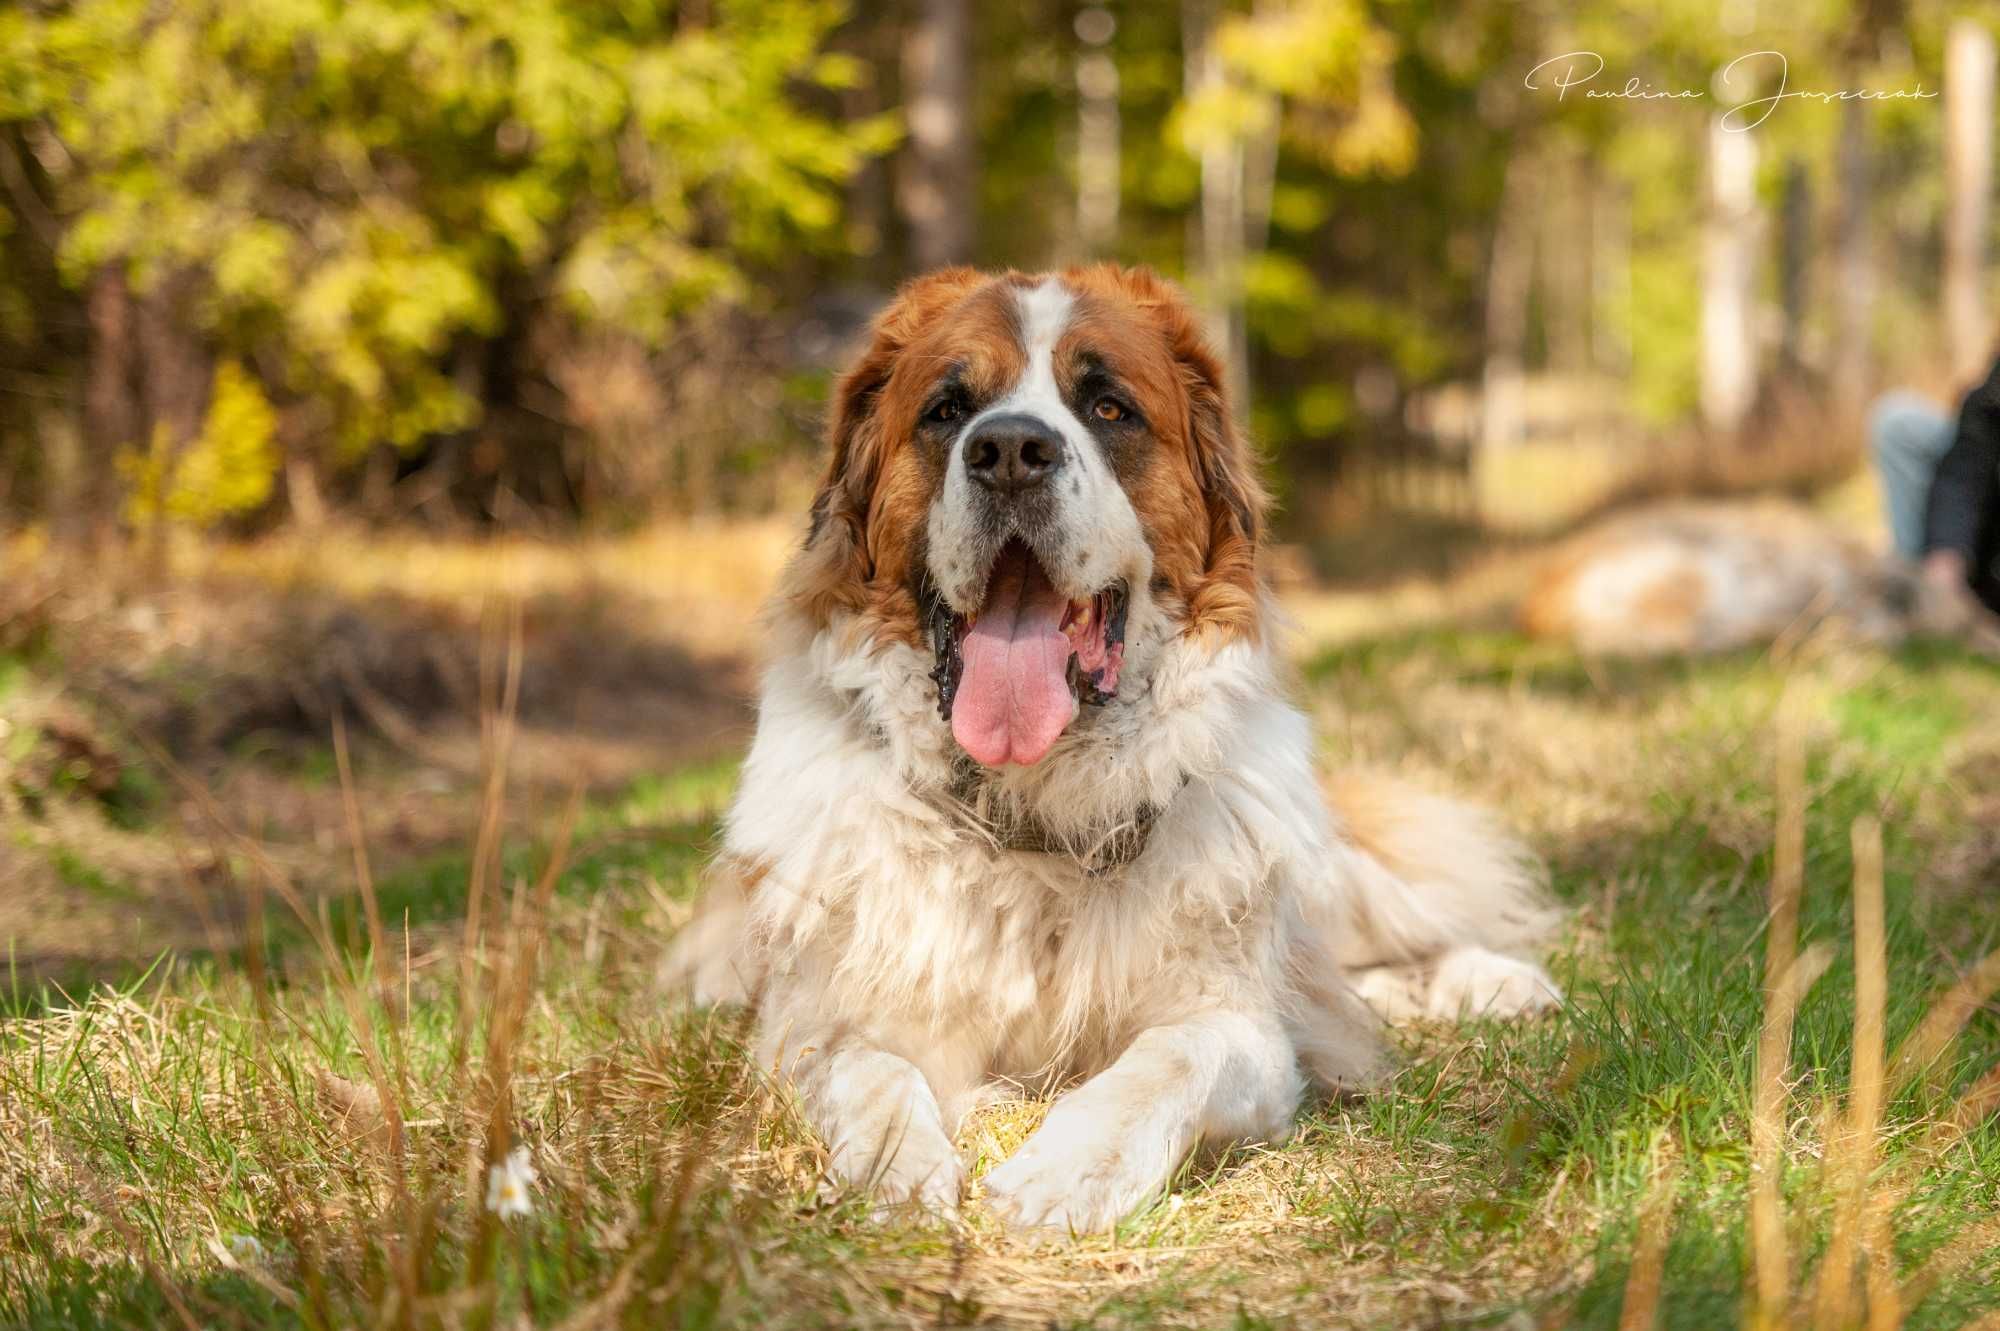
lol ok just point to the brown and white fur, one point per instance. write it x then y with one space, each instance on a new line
907 957
1694 578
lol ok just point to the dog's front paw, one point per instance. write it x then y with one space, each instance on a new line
1473 982
897 1149
1074 1176
1036 1191
920 1181
921 1173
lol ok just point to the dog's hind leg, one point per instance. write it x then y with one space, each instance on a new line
1435 902
1464 982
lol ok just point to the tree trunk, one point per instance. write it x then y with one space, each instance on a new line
1968 167
1565 264
112 416
1097 133
1219 289
1610 278
1260 164
176 368
1854 261
937 183
869 204
1728 281
1509 269
1794 262
176 378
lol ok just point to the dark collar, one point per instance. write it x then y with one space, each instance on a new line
1095 855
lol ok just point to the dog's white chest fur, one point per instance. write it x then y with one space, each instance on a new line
885 902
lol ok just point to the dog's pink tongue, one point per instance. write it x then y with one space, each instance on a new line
1014 696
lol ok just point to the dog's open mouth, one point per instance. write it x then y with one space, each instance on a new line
1011 676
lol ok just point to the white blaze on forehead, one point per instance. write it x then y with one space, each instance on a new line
1045 310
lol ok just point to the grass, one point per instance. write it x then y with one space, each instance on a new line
300 1135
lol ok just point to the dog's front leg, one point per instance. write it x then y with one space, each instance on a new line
1117 1139
881 1123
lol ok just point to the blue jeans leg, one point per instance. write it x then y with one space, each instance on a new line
1909 436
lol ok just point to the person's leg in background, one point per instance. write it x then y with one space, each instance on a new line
1908 436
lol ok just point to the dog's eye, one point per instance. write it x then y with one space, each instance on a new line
945 411
1110 409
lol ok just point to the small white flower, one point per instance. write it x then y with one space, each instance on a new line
507 1185
1175 1202
246 1249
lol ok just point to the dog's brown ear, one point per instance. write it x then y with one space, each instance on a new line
1222 459
837 562
1228 599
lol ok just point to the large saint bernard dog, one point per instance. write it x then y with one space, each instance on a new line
1027 804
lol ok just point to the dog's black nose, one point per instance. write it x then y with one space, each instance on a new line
1012 453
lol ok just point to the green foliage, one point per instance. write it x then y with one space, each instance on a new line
228 469
366 189
1332 61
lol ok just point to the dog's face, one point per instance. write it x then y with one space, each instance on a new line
1023 467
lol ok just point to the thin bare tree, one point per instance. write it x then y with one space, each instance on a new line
1220 225
1854 265
1795 247
113 418
1968 167
1729 279
1509 275
1097 132
936 180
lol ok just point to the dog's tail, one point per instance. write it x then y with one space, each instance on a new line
1440 908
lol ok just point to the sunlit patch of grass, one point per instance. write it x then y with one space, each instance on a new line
695 792
994 1132
1906 721
691 568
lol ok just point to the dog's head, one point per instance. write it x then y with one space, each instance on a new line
1024 468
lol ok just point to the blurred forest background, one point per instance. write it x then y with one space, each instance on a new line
549 265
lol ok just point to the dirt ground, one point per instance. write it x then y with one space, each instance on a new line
147 719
